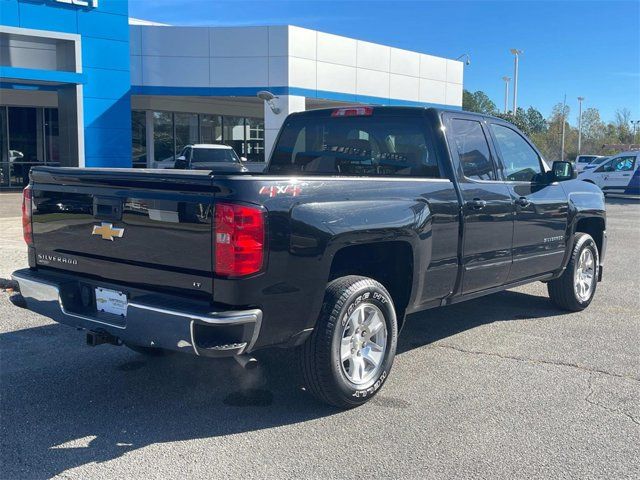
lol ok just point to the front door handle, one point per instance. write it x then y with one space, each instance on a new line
522 202
476 204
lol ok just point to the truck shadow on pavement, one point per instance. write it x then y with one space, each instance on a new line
65 405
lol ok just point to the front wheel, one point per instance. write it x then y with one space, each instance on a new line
349 355
575 289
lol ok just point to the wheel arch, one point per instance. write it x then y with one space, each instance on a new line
391 263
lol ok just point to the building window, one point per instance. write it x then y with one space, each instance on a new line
172 131
255 139
186 128
233 134
163 144
210 128
139 139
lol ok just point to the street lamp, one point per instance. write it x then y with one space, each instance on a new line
580 99
506 92
270 99
516 54
635 125
468 61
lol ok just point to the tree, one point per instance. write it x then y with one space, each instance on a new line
592 126
621 122
478 102
535 121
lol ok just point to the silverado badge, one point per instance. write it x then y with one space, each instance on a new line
107 232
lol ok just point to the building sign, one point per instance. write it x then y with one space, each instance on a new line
80 3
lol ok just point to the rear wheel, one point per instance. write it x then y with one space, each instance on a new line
349 355
575 289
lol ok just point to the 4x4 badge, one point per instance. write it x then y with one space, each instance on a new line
107 232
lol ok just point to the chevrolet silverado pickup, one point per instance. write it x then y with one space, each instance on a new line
363 215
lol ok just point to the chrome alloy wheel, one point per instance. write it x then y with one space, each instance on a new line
584 279
364 343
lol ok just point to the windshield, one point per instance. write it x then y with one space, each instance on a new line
600 160
356 145
586 158
214 155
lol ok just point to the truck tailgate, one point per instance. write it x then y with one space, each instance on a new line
146 228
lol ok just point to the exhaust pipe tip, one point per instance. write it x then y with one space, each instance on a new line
245 361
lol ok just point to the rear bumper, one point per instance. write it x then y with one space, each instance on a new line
152 320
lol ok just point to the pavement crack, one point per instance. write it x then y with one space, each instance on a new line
537 361
605 407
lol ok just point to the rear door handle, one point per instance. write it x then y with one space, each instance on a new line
476 204
522 202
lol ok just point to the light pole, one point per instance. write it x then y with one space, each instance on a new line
516 54
635 125
506 92
564 109
580 99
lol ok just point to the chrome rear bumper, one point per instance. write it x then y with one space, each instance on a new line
151 320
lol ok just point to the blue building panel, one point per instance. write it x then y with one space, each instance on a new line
114 142
96 24
53 16
9 13
107 112
105 53
106 84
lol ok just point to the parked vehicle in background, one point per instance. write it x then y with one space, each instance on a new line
582 161
619 174
364 215
202 156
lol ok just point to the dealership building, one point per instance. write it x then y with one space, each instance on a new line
82 84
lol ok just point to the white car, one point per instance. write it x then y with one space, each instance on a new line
619 174
583 160
211 152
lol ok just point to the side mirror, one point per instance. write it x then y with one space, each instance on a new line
243 159
181 162
561 171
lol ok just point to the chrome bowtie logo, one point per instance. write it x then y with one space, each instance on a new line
107 232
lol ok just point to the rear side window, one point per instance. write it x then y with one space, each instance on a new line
473 149
520 161
358 145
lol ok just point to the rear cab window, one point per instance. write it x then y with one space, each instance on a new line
366 144
472 148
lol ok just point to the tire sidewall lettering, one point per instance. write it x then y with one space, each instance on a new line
382 301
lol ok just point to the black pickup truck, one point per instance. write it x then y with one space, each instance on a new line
362 216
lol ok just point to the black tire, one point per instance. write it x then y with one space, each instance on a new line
323 374
561 290
149 351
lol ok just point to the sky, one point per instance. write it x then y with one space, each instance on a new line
578 48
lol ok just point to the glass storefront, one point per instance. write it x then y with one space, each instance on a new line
173 130
28 137
138 139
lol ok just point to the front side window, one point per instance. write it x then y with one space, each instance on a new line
473 149
618 164
520 161
624 164
357 145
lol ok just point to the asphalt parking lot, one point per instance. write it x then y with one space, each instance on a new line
501 387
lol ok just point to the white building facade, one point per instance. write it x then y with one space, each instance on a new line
199 84
82 84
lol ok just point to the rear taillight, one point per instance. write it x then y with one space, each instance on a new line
27 229
239 239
